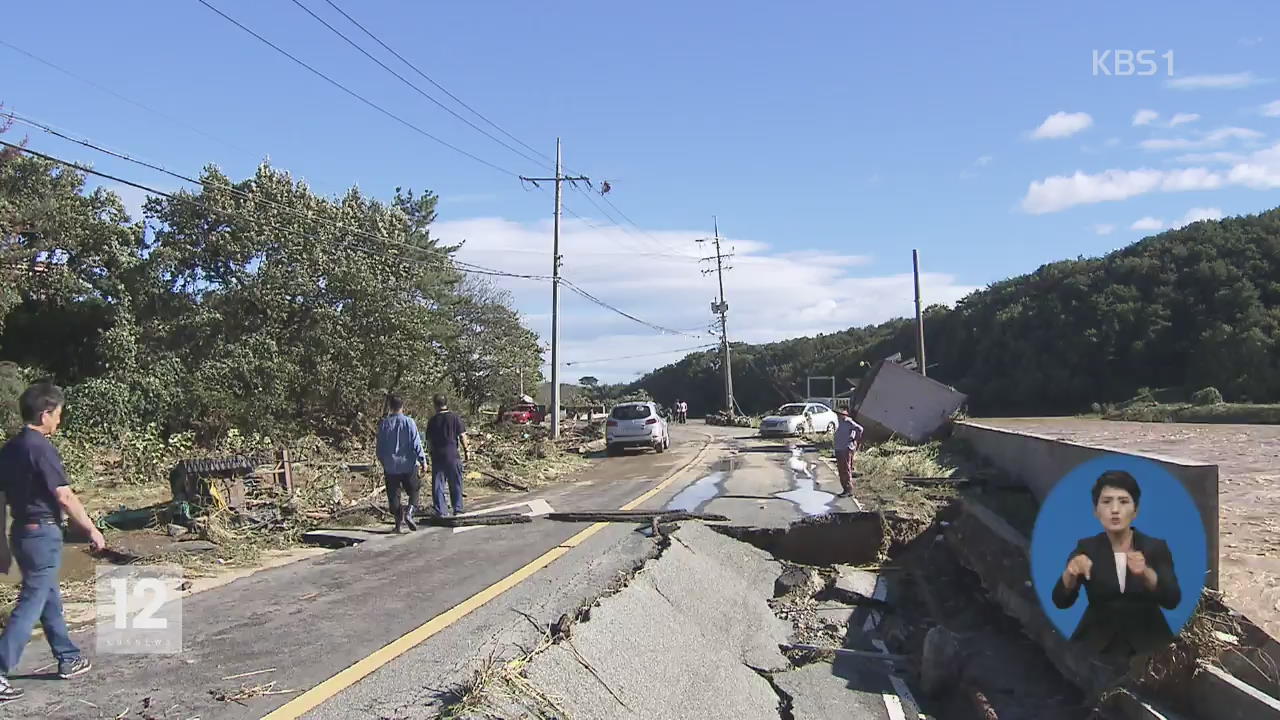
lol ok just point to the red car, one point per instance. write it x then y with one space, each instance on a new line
525 413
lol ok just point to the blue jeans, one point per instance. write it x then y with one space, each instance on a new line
450 472
39 556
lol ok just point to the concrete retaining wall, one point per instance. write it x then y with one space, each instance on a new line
1038 462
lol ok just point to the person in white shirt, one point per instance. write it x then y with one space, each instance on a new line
847 436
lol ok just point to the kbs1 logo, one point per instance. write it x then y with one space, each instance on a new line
1124 63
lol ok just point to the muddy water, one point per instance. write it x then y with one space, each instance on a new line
78 565
704 489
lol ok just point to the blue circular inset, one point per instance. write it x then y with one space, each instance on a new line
1165 511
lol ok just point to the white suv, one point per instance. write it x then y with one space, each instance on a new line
636 424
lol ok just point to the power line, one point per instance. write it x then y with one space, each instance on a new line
235 191
456 99
627 315
118 96
629 357
419 90
354 94
470 267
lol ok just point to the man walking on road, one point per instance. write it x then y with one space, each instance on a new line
36 490
445 432
403 461
847 436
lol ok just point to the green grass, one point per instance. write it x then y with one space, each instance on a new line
1239 413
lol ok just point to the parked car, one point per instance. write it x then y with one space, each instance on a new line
797 418
636 424
525 413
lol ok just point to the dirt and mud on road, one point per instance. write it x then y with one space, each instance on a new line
1248 459
812 609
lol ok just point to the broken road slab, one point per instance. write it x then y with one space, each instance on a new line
818 694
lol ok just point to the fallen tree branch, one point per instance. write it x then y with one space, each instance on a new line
504 481
846 652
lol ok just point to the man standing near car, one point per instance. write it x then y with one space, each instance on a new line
847 436
403 461
36 490
445 433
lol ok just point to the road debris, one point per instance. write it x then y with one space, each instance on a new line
247 674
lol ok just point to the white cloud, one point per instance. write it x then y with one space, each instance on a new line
1260 170
1198 214
1213 139
1230 81
1251 41
1145 117
1222 157
1061 192
1183 118
1104 229
1062 124
773 293
1271 109
1113 142
983 161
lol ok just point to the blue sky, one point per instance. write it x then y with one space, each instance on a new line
829 139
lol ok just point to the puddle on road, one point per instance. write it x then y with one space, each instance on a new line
806 494
698 493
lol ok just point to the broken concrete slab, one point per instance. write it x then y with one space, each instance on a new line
895 401
853 580
701 605
739 578
818 694
644 651
1217 694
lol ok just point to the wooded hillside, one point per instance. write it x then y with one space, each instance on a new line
1187 309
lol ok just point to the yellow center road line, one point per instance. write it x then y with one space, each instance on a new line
385 654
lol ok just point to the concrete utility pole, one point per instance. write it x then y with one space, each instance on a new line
722 309
915 262
555 292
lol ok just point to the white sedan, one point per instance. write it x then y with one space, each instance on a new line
797 418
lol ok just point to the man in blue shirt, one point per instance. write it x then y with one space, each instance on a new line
848 434
445 431
403 460
36 490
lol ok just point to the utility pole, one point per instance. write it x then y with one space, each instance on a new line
722 309
915 262
555 291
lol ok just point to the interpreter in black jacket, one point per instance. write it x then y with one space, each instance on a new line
1127 575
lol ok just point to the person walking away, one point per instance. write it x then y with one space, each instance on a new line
445 433
38 494
404 461
847 436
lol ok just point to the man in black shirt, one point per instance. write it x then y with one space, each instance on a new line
445 432
36 490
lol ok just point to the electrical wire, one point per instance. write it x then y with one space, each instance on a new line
233 190
354 94
419 90
413 67
641 355
629 316
120 97
471 268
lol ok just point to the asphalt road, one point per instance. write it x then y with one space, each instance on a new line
317 618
